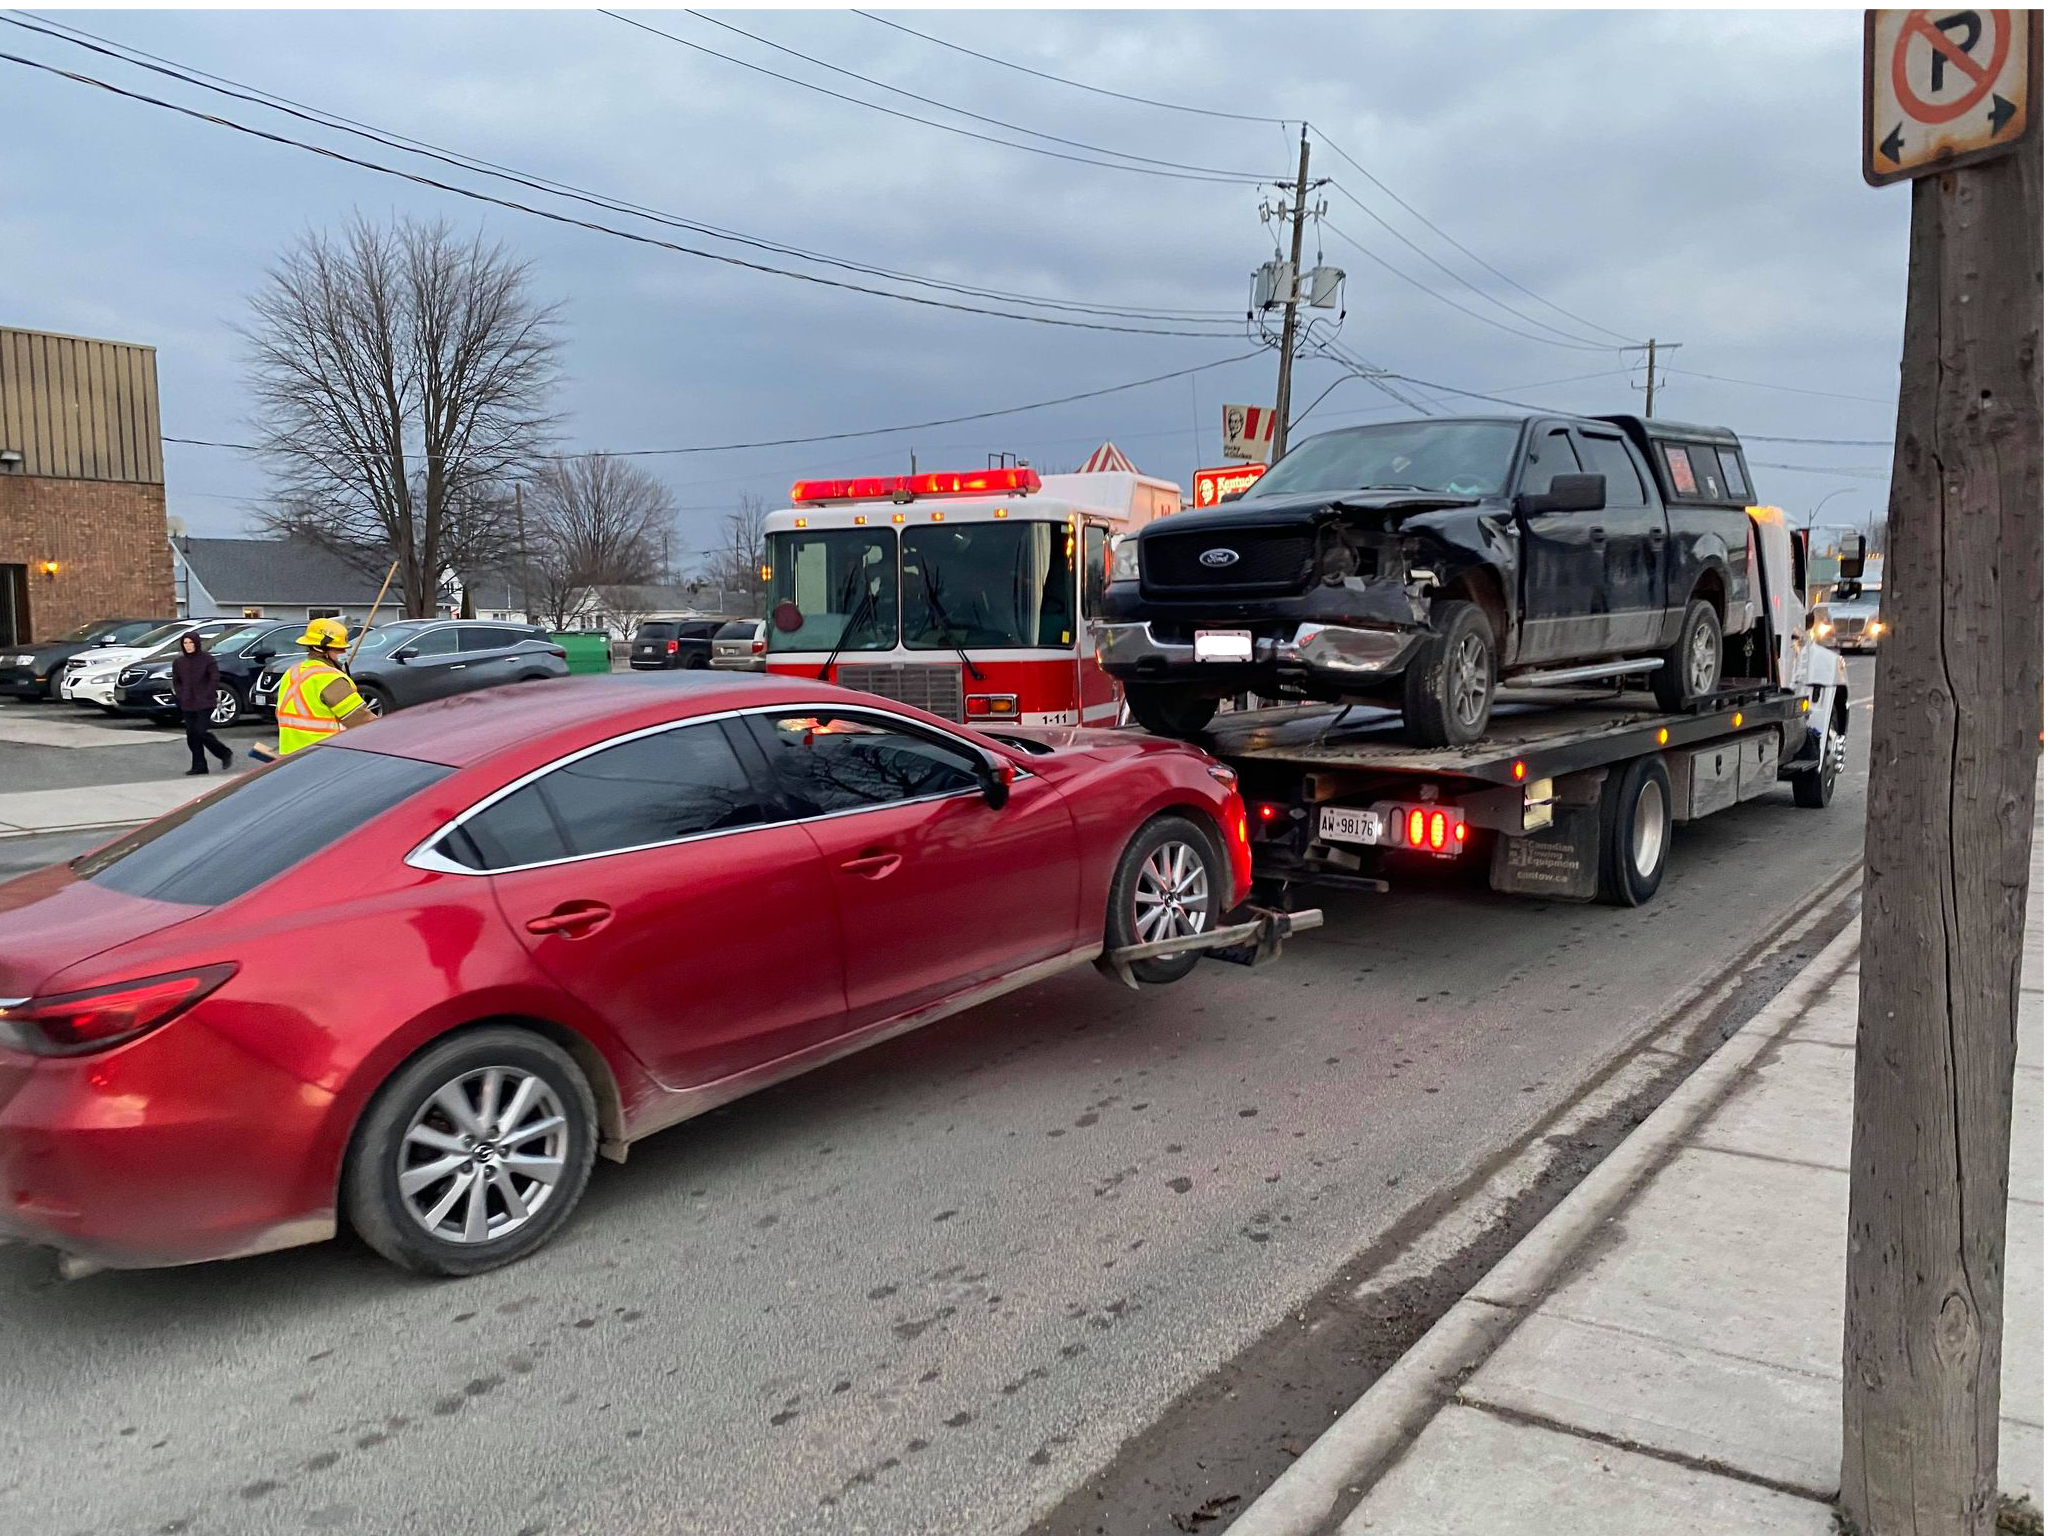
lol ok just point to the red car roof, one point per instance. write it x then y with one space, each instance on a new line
469 727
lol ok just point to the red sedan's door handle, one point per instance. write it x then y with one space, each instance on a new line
572 919
873 866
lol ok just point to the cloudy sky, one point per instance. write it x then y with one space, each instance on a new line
1687 175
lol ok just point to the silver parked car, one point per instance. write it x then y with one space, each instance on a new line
741 646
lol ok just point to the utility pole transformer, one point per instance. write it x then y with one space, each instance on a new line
1286 389
1955 746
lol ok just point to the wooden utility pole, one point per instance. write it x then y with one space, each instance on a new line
1287 324
1650 373
1955 746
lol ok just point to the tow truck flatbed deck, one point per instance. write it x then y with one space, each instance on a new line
1570 793
1551 733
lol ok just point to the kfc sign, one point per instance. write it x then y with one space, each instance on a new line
1215 485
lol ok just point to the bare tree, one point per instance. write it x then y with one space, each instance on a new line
401 375
736 563
591 522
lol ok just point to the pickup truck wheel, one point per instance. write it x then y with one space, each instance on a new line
1169 709
1169 884
1635 828
1692 666
1447 692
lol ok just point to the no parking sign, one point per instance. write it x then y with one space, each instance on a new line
1944 88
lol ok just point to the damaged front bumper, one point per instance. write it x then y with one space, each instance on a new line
1338 653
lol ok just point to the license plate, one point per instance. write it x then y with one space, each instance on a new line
1223 645
1342 824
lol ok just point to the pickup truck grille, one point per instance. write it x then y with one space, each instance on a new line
1268 560
925 686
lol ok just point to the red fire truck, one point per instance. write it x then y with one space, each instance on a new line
973 594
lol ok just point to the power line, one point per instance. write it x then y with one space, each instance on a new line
221 85
1790 389
882 85
1424 220
1442 298
1569 338
1823 442
1143 101
830 437
1226 178
1339 149
562 218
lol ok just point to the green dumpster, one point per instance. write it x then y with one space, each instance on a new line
590 650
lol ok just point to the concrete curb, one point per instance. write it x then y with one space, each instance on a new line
1347 1456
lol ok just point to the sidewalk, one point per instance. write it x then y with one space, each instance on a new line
1663 1352
97 805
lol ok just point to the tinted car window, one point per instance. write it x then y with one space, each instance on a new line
485 637
822 764
435 642
658 631
654 789
1550 455
1606 456
1706 472
1732 475
738 629
231 842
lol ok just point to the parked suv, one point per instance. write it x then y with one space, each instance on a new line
1419 563
144 687
414 660
35 671
741 646
662 644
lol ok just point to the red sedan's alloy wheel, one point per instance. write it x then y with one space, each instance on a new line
473 1153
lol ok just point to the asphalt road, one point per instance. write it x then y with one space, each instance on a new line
930 1289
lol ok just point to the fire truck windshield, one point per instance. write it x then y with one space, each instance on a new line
988 586
843 584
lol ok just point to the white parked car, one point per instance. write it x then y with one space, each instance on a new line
90 678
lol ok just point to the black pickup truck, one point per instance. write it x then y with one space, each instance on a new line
1422 563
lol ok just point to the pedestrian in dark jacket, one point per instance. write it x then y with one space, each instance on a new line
195 680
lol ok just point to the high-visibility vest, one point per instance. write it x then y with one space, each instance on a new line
302 719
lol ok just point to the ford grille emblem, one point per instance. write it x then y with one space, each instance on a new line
1218 558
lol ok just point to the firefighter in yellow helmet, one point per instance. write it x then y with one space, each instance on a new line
315 698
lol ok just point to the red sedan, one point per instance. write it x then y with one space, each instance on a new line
418 977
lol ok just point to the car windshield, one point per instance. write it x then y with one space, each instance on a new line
1460 458
157 635
830 589
85 632
1006 585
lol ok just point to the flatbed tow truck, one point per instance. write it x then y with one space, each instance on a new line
1571 793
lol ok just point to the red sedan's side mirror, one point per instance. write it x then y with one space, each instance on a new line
997 775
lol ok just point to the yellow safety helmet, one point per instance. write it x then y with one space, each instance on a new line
326 634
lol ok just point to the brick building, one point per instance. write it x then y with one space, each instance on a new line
82 531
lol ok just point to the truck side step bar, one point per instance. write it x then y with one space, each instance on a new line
1588 674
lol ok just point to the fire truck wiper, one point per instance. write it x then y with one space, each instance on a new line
931 599
854 620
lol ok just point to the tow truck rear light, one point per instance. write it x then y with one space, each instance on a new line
979 482
1435 829
1416 823
1438 829
980 706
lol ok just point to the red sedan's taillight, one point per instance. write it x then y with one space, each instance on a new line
76 1023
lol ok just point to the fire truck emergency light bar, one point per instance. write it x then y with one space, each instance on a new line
979 482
